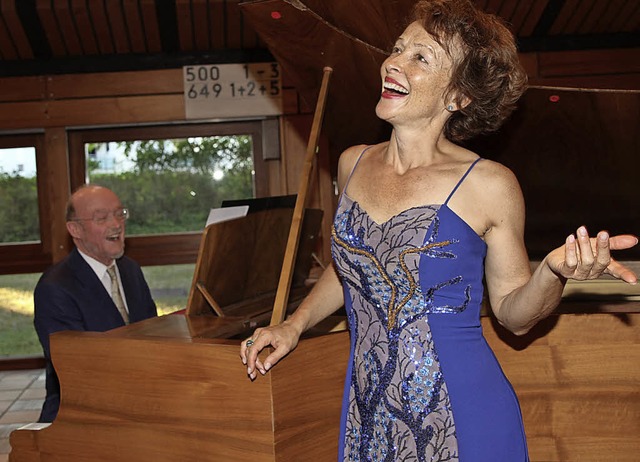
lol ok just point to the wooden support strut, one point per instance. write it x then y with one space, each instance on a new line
284 284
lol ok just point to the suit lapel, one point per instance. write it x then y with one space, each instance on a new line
101 299
85 274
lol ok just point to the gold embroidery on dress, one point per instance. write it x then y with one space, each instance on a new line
392 310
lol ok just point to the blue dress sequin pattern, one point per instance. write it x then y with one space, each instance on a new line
413 291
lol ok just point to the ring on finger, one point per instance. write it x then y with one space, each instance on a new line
248 343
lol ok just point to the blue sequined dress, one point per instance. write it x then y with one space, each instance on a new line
422 383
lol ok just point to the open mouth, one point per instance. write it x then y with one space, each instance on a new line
113 237
396 88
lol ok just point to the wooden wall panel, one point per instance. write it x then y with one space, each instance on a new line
577 377
612 69
78 86
115 111
22 89
294 146
619 82
583 413
530 368
598 449
16 116
598 365
590 62
87 112
545 449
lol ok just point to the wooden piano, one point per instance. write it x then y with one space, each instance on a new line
173 388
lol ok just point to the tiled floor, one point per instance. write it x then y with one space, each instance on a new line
21 397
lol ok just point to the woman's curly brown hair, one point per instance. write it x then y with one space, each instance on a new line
487 73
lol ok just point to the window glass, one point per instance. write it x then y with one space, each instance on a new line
170 286
17 335
19 218
169 185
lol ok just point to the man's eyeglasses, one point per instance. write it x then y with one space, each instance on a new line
100 217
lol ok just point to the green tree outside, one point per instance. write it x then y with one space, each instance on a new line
18 208
171 188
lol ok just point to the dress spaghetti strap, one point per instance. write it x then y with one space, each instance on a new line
462 179
354 168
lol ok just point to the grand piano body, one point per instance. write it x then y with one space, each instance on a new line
173 388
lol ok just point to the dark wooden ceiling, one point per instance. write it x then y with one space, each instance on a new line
69 36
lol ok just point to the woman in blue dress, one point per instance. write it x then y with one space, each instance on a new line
421 221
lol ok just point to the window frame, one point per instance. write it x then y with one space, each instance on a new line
171 248
29 256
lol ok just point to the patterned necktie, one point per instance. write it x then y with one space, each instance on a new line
116 295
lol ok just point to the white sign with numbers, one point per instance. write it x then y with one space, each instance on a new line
232 90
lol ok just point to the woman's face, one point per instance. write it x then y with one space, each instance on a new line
414 79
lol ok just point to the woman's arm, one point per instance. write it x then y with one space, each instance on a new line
521 299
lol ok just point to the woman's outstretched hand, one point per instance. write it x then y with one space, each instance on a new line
283 338
582 257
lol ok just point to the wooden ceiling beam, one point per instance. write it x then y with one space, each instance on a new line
66 24
85 27
151 28
528 25
15 29
218 30
135 26
119 30
201 25
51 31
185 24
7 48
101 27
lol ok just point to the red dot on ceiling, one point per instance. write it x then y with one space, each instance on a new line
554 98
276 15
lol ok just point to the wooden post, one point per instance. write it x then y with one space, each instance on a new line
284 285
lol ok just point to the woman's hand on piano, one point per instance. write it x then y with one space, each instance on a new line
325 298
283 338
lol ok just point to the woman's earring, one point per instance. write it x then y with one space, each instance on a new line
450 108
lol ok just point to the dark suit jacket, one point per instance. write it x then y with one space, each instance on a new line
69 296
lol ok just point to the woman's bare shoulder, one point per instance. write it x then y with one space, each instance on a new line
350 156
495 175
352 153
497 193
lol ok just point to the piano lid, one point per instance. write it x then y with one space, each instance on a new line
239 261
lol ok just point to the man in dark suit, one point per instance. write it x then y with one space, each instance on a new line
94 288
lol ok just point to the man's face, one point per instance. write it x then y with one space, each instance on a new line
98 226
